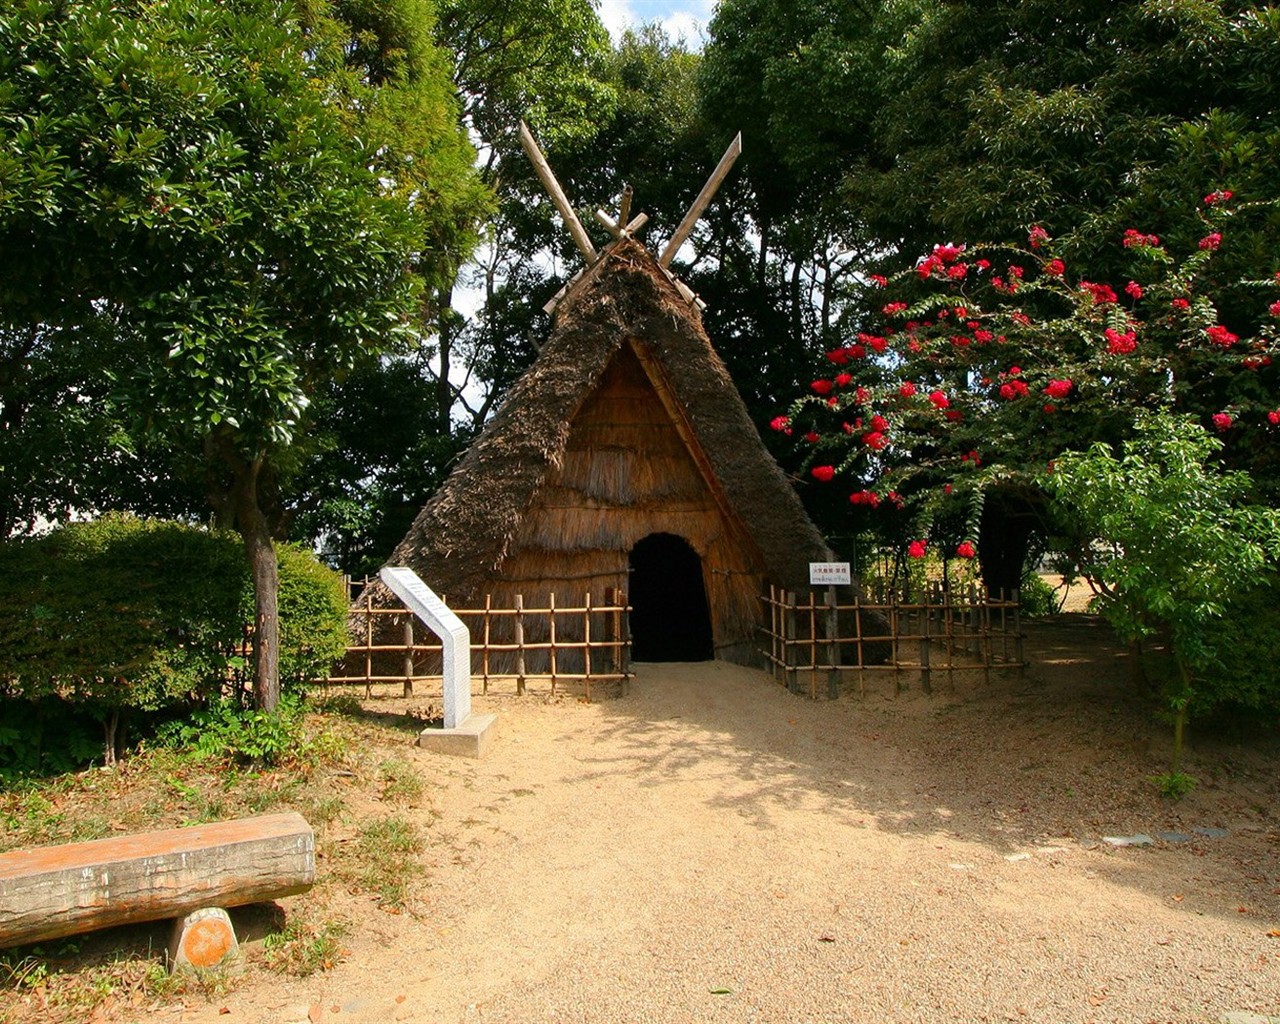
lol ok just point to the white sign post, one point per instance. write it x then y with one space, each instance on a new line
455 638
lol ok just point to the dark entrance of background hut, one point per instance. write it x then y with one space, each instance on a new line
670 618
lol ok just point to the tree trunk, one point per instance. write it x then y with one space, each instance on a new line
1004 538
263 567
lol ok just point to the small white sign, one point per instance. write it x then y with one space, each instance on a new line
829 574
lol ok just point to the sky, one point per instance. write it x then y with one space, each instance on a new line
686 18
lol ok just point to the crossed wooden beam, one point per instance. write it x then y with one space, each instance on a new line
622 227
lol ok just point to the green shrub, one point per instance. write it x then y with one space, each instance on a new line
1245 680
123 614
1036 597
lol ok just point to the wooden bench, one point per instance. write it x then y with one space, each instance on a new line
52 891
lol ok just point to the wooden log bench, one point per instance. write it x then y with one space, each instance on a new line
52 891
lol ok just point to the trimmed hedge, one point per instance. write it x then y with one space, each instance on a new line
128 613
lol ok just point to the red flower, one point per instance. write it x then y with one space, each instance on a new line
862 396
1013 389
1120 344
779 423
1103 294
839 356
823 473
982 337
1274 308
893 307
1015 371
916 549
946 488
957 271
874 440
1134 239
1049 410
971 456
869 498
1037 236
1134 290
965 550
811 437
1021 319
1211 241
948 253
879 280
1273 417
876 343
1180 304
1221 196
1219 335
939 399
1055 268
983 264
1058 389
953 415
821 387
906 389
879 423
961 341
1222 421
843 379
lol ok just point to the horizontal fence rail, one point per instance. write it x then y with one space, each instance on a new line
823 639
584 643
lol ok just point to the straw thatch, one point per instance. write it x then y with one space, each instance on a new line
627 424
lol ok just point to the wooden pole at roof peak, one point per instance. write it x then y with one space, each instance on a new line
548 179
704 197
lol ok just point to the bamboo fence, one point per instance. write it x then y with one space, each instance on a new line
531 643
819 642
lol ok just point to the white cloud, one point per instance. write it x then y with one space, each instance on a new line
680 18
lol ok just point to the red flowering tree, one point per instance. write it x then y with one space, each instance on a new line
991 361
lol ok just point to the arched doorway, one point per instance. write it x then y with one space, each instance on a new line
670 618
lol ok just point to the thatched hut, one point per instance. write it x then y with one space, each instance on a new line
624 458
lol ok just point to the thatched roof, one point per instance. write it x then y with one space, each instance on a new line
464 532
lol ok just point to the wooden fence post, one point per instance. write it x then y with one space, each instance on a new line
813 645
833 649
857 631
368 642
1017 633
519 645
788 646
484 659
408 655
926 678
551 626
586 637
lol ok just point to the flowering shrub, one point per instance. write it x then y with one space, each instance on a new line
990 361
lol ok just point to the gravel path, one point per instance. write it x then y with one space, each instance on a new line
711 848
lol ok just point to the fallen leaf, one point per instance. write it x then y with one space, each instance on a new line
224 1009
826 938
400 998
1177 898
315 1013
1274 933
1242 910
722 991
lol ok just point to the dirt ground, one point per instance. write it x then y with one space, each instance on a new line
709 847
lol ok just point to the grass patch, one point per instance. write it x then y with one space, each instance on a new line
305 948
401 782
387 850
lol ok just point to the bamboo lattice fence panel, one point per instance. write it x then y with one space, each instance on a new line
517 647
822 640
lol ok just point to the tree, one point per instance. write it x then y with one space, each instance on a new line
992 361
183 178
1179 541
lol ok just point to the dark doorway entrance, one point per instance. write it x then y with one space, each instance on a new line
670 619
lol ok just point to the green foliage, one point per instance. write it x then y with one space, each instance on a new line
1037 597
1175 785
226 729
303 949
122 613
1178 538
388 849
1245 678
